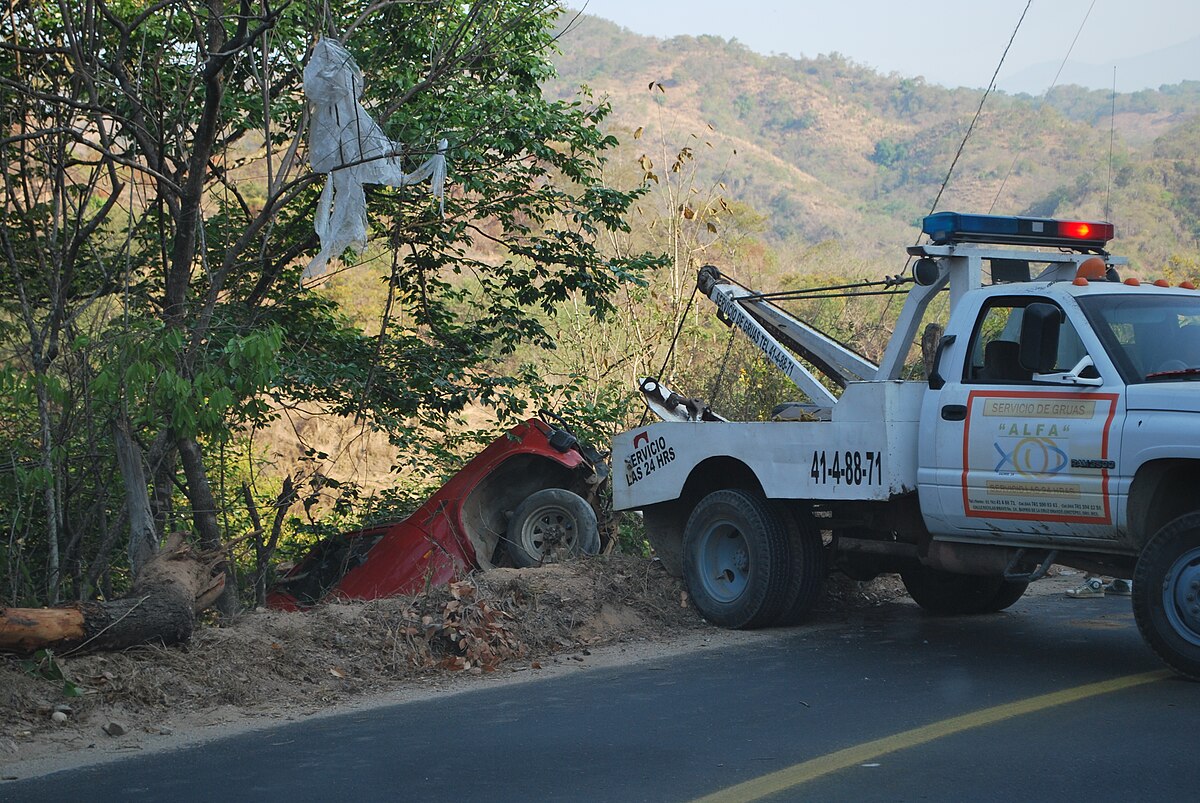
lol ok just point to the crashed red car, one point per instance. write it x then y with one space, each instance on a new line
527 498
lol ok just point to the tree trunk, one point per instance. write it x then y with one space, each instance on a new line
204 516
174 585
161 460
54 575
143 538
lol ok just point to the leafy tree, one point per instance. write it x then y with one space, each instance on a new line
889 153
157 213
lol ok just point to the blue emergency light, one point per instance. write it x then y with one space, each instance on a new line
947 228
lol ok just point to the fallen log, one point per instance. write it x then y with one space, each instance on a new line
173 586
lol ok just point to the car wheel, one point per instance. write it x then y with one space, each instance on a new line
549 525
1166 594
736 559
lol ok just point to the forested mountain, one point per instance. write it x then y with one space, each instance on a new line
165 349
827 149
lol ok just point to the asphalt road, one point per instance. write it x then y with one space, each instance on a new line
1054 699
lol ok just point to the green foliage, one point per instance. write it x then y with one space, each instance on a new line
156 219
138 372
44 665
889 153
629 531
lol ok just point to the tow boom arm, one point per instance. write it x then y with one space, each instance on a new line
771 329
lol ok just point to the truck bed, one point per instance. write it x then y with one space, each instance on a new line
866 451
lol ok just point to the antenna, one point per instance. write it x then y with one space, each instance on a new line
1112 132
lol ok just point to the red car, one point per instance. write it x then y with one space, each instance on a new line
527 498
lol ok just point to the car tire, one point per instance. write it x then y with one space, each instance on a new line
1010 591
549 525
808 569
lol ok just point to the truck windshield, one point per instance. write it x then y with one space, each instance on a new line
1151 338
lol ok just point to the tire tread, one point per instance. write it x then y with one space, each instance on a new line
1148 577
766 592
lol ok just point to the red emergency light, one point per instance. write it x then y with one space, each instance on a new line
955 227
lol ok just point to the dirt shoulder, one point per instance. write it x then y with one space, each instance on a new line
269 667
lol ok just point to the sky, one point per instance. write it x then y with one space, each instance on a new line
950 42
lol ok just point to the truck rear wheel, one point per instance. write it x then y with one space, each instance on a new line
949 594
1166 594
736 559
806 574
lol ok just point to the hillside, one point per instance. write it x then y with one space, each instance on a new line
826 149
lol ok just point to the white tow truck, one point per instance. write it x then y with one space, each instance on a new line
1059 424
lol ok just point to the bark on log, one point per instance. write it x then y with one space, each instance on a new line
173 587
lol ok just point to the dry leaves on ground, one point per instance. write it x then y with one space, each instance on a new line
272 662
275 659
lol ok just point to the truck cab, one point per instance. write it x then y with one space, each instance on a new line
1059 423
1044 446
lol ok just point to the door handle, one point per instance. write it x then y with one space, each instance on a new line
954 412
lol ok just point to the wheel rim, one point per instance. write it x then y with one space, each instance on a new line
1181 596
723 562
548 530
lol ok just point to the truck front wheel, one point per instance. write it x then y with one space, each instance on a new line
948 594
1166 594
736 559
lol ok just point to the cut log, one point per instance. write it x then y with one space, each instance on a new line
172 588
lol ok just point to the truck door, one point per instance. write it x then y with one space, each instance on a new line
1017 452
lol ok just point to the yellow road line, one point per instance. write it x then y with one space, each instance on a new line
797 774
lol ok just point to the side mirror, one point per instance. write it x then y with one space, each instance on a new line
1039 337
936 381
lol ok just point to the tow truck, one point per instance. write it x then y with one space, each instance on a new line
1058 423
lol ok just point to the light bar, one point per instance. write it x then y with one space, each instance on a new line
947 228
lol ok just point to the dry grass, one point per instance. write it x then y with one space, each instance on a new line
275 664
273 659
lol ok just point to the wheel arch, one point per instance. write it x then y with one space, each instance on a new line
550 524
1161 492
486 508
665 521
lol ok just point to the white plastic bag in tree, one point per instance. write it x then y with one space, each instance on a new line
349 145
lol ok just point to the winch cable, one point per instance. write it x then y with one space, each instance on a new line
851 290
1042 100
822 293
827 292
671 349
963 144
